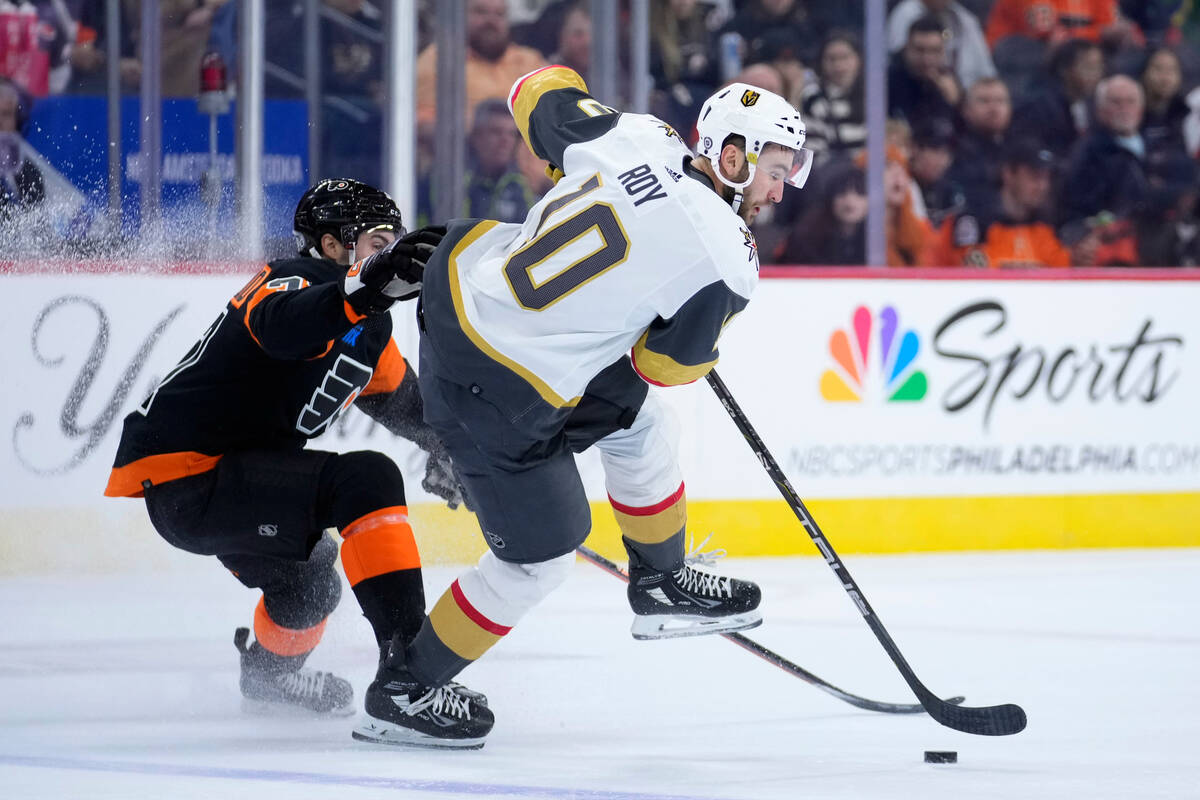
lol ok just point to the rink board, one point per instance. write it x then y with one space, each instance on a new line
963 413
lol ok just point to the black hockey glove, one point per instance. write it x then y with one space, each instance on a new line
440 479
394 273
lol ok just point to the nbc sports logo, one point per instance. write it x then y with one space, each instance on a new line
873 347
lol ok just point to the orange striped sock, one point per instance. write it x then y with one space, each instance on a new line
377 543
383 566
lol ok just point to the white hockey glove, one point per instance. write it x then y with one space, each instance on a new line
394 273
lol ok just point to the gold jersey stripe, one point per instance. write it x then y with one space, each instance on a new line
662 369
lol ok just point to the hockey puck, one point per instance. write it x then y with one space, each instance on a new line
941 757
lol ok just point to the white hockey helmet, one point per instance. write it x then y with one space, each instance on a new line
762 118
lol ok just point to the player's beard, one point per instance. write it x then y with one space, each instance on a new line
747 211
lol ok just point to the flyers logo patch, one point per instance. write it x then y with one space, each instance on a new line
750 97
340 387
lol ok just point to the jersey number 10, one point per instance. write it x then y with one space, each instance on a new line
547 246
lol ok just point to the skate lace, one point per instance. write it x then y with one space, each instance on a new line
303 683
705 583
442 700
695 554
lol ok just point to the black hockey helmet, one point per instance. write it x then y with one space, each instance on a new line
344 208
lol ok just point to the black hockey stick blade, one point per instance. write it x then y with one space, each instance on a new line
771 657
1002 720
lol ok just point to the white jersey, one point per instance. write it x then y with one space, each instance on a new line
628 254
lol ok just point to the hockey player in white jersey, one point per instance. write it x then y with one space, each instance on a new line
538 341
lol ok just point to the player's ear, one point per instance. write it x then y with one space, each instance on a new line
733 162
333 249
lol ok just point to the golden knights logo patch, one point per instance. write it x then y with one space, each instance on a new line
751 245
750 97
671 132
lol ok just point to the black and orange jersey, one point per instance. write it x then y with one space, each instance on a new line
1050 19
973 239
284 357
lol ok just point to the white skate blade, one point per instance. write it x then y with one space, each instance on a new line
377 731
676 626
264 708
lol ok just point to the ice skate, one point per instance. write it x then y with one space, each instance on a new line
689 602
268 685
401 711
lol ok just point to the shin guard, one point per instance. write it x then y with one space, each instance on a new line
383 567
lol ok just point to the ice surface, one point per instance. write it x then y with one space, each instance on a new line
125 687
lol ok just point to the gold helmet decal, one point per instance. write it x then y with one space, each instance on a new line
750 97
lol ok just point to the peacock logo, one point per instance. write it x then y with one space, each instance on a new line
873 345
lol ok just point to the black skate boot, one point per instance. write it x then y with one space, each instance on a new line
277 683
401 711
689 602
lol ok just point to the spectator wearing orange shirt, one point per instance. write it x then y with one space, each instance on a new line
909 237
1013 232
1055 21
493 64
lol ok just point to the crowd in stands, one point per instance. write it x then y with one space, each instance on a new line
1033 133
1021 132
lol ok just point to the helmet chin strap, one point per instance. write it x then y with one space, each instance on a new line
738 188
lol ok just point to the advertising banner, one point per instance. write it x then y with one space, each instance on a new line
878 388
911 415
70 132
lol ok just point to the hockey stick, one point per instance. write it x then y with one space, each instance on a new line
999 720
771 657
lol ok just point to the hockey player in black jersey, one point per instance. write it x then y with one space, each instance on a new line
218 452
